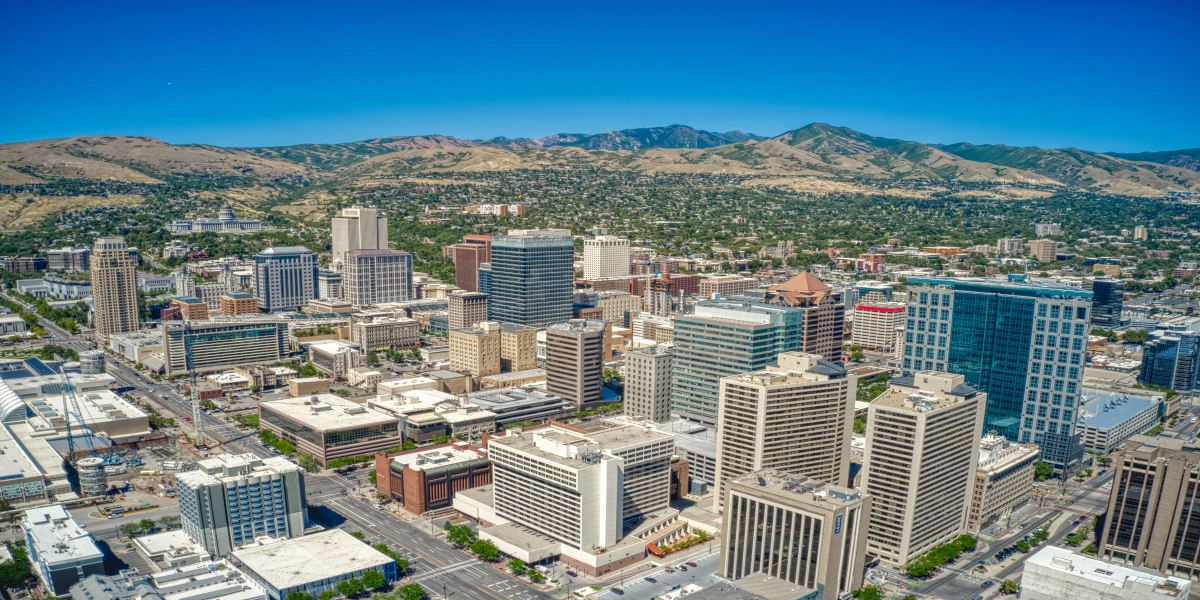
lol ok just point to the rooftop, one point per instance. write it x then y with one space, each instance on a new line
233 467
570 449
56 537
516 375
1105 409
284 251
798 488
1108 573
925 391
326 412
1003 286
288 563
454 454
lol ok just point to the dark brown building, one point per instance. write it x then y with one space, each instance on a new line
467 255
426 479
824 313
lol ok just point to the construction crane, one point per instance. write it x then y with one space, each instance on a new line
71 407
194 395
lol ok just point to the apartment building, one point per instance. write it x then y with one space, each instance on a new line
377 276
823 315
1003 480
1140 233
804 532
726 285
920 463
1045 251
1009 245
518 348
114 288
335 358
466 309
575 360
605 256
648 382
875 325
390 333
1154 508
476 350
1045 229
795 418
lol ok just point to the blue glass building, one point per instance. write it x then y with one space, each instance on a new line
1108 300
1022 343
532 277
1171 358
484 284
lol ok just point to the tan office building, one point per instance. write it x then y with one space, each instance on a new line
795 418
467 309
1003 481
1043 250
875 325
386 333
518 347
807 533
726 285
1154 507
575 360
615 305
238 303
475 351
919 465
648 382
114 288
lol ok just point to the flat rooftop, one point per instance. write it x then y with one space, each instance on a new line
1107 573
288 563
1105 409
516 375
94 407
925 391
326 412
16 463
232 467
1004 286
798 489
568 445
57 538
449 456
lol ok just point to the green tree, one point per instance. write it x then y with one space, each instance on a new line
307 370
170 522
358 535
146 525
485 550
411 591
868 592
460 535
1023 546
1042 470
350 587
371 358
308 463
517 566
535 576
1136 336
857 355
374 580
15 571
327 595
129 529
299 596
1008 586
860 424
373 477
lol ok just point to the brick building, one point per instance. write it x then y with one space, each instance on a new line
426 479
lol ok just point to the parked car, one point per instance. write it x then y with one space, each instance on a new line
987 584
690 564
618 591
682 568
650 580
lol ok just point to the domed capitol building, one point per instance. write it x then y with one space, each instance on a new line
226 222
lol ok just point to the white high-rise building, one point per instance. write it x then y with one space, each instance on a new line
285 278
875 325
605 256
1009 245
114 288
795 418
920 462
648 382
377 276
358 228
1045 229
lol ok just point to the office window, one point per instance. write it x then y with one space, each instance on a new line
1061 371
1028 423
942 328
1067 414
1081 313
1079 329
1053 326
941 355
924 298
1052 341
1041 411
1046 383
908 337
1039 339
945 299
945 315
1077 344
1070 387
1054 413
933 300
1073 373
910 324
912 311
1069 401
1033 382
920 338
920 325
1029 408
1053 312
1025 437
907 362
1041 325
942 341
1040 425
941 367
1058 385
1037 354
1032 396
921 313
1058 400
1075 358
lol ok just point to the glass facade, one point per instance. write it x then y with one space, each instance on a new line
211 347
484 284
1107 302
532 279
1171 360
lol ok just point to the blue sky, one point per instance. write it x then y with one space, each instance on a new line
1115 76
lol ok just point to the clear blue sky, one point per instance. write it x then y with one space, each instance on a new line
1121 76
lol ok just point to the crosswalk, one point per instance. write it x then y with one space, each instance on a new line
443 570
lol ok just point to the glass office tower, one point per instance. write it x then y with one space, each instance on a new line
1022 343
1171 358
1108 300
533 277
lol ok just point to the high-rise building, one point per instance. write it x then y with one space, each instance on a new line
648 382
221 345
1043 250
114 288
1045 229
532 277
232 499
575 360
476 350
1154 507
358 228
726 337
824 315
804 532
1009 245
285 278
605 256
1003 481
1140 233
329 285
518 347
875 325
795 418
920 461
1171 359
1022 343
466 309
1108 300
377 276
467 256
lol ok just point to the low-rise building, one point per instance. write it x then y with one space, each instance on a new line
513 379
726 285
136 346
210 580
191 308
1108 418
335 357
12 324
387 334
327 426
230 382
476 350
266 378
364 377
61 552
307 386
238 303
103 411
1003 481
426 478
519 405
311 564
1054 573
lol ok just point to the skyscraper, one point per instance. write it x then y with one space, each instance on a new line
726 337
285 278
358 228
377 276
533 276
795 418
575 360
466 309
648 382
1022 343
1171 357
468 255
823 314
919 468
605 256
1108 300
114 288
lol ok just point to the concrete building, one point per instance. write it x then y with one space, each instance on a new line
12 324
1045 251
327 426
1003 480
518 348
311 564
875 325
232 499
114 288
476 350
796 418
191 308
467 309
307 386
1022 343
226 222
648 382
532 276
219 346
920 463
377 276
1107 418
1045 229
616 307
335 358
726 285
518 405
426 479
136 346
474 250
329 285
822 313
69 259
202 579
266 377
386 333
1140 233
798 530
605 256
1054 573
575 360
1009 245
238 303
697 444
285 278
103 411
357 228
61 552
1152 508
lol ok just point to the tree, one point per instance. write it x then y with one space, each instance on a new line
857 356
535 576
411 591
297 595
374 580
860 424
350 587
909 597
170 522
485 550
146 525
373 477
517 566
460 535
372 358
1136 336
327 595
869 592
1008 586
129 529
308 463
14 572
1042 470
1023 546
358 535
5 505
307 370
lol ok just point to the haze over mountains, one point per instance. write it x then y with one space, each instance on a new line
817 150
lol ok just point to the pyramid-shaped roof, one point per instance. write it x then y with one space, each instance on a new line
803 289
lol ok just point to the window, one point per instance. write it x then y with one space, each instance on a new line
1053 312
907 362
1041 411
1029 409
1032 396
933 300
1061 371
941 355
942 342
924 298
1045 397
1033 382
1070 387
942 328
908 337
921 313
945 315
912 311
1028 423
1039 339
1077 344
1073 373
918 365
1041 325
1037 354
920 325
1058 385
910 324
1046 383
1058 400
1067 414
1062 357
1069 401
1041 311
1079 329
941 366
945 299
1041 425
1081 313
1054 413
1053 326
1075 357
920 338
1025 437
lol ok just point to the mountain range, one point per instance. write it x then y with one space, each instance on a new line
817 150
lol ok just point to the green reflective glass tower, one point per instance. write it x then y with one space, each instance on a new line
532 277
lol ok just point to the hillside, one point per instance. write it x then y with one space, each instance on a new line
1091 171
331 157
673 136
1184 159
